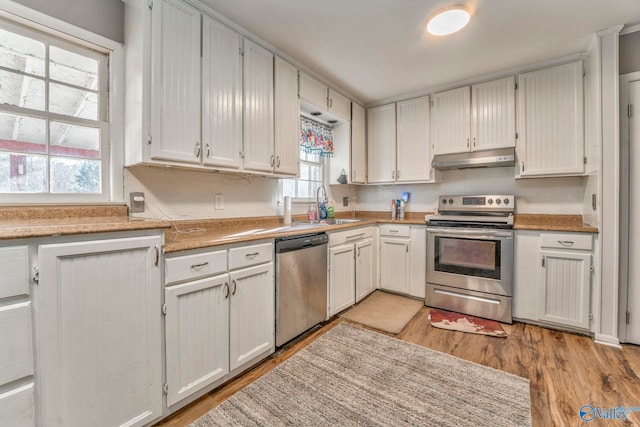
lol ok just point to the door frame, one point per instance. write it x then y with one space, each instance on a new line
625 188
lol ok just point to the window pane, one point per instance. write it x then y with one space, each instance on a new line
304 171
21 173
21 53
22 134
74 140
304 190
314 173
21 91
289 187
73 102
70 67
75 176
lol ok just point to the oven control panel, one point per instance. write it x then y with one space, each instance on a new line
488 203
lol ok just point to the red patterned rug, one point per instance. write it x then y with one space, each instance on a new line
465 323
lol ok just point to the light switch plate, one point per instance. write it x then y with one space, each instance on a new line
219 201
136 202
345 201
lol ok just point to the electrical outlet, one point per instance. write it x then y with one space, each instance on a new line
219 201
136 202
345 201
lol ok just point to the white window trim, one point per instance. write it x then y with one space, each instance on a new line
39 21
303 200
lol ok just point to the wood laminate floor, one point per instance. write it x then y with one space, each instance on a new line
566 370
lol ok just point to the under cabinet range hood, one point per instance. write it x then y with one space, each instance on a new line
475 159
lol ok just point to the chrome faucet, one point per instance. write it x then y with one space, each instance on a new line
318 201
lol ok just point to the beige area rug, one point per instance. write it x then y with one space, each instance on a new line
384 311
356 377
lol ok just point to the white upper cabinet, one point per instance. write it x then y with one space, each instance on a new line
323 97
175 67
398 142
221 95
413 147
480 117
358 145
493 114
258 108
450 118
381 137
551 121
287 118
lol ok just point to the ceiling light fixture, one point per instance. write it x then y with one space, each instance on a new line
448 20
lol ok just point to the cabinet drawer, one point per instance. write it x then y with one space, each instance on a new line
194 266
16 352
567 241
17 407
351 235
395 230
14 265
245 256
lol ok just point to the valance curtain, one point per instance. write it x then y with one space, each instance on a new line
315 137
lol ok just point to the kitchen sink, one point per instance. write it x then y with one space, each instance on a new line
337 221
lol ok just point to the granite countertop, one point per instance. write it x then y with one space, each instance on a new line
186 235
572 223
45 221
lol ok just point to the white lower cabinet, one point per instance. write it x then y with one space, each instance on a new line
99 352
553 278
197 335
353 267
220 308
403 259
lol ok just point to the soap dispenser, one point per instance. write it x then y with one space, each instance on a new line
323 211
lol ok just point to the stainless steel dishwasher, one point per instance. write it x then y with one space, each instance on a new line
301 285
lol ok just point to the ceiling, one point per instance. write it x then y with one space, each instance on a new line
378 49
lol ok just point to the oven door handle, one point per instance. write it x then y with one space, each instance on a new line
478 234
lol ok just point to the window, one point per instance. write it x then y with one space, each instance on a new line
316 144
54 128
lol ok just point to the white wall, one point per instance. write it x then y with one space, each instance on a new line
103 17
183 194
540 195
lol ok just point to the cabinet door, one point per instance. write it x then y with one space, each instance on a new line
252 315
565 288
358 145
341 278
221 95
413 147
258 108
339 105
17 407
525 275
381 136
175 87
451 120
493 114
394 264
365 268
197 335
418 261
550 121
98 323
312 91
287 118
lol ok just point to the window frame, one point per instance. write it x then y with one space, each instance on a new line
323 173
25 21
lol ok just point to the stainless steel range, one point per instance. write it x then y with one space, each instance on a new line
470 256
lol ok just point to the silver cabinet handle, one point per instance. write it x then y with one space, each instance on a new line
330 103
278 161
253 255
567 243
235 286
394 231
226 290
474 141
397 174
208 151
358 252
198 149
393 175
353 175
157 255
543 261
467 142
196 266
272 160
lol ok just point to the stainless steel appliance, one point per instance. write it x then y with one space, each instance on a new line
470 256
301 285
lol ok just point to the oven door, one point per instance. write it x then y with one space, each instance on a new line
471 258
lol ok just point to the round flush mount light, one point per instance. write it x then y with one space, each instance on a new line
448 20
315 113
